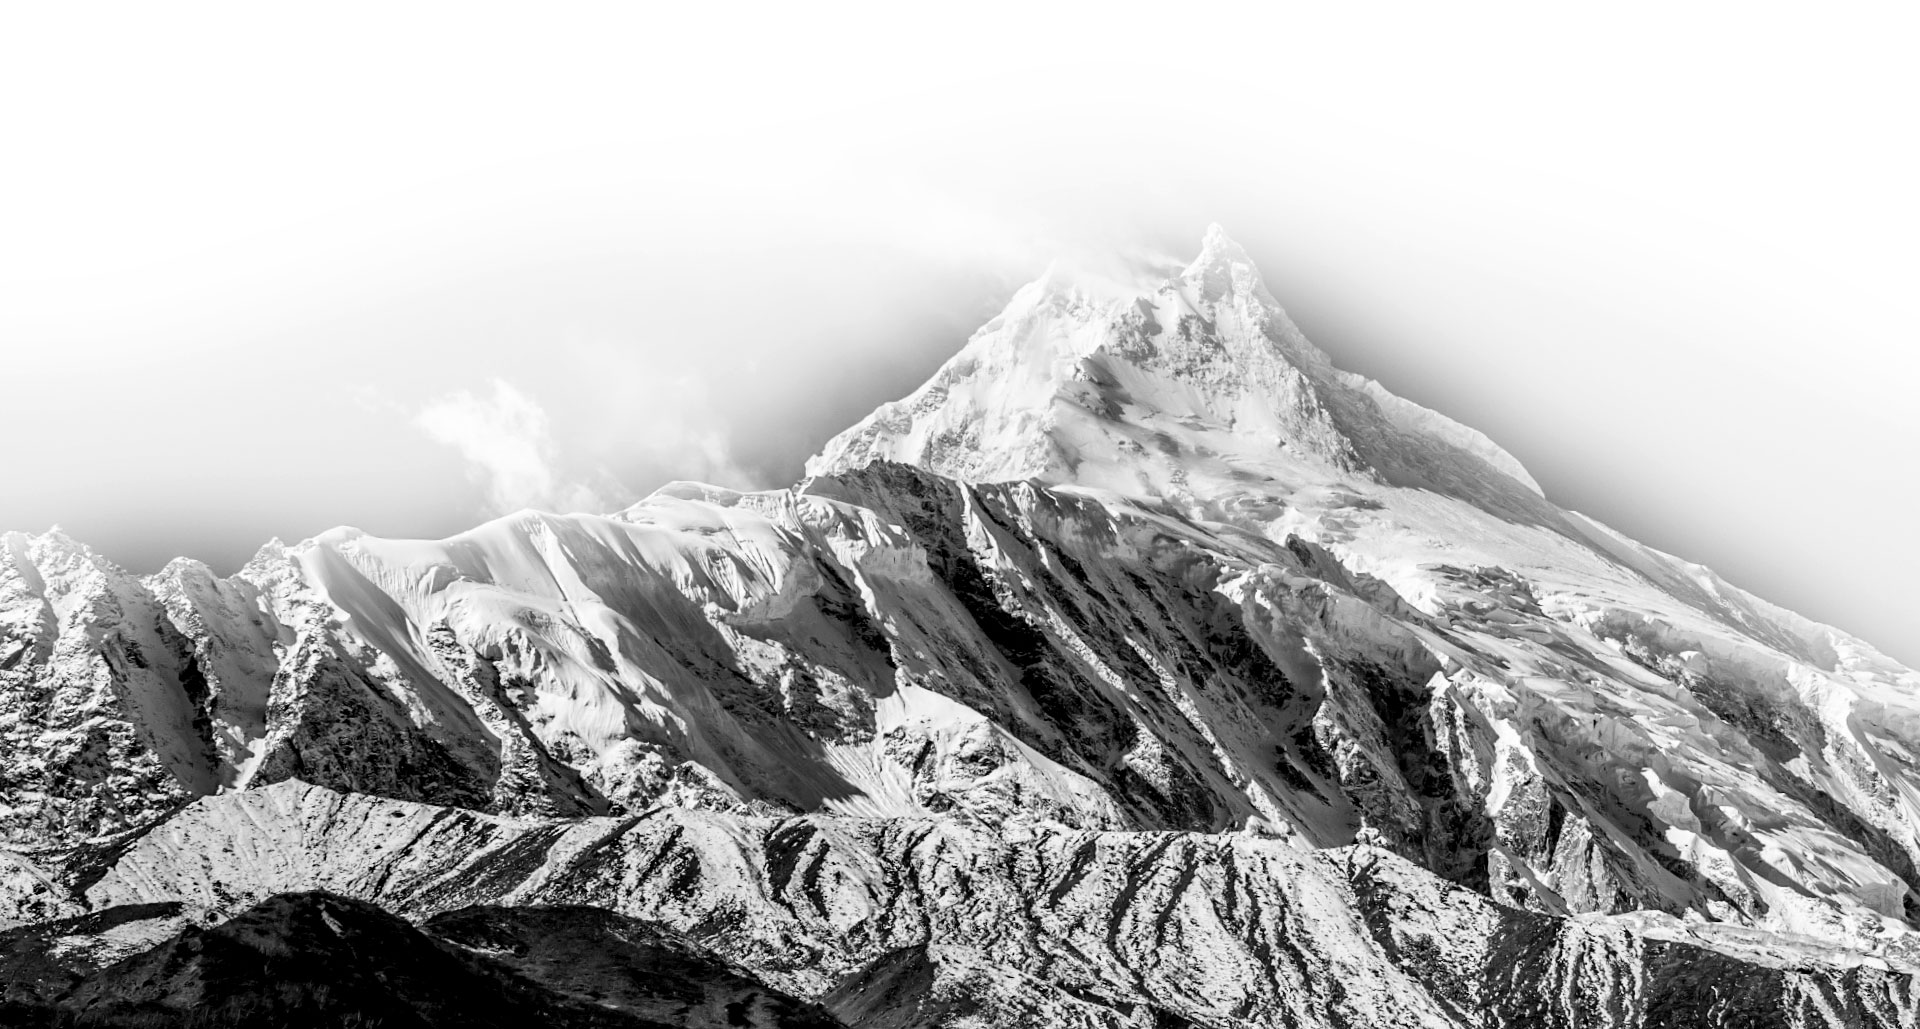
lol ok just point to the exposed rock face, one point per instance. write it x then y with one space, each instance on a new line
105 724
1140 613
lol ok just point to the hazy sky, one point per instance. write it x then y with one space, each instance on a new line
401 267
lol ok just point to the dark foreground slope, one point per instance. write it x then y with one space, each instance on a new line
321 960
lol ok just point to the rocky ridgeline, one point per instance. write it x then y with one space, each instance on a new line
886 920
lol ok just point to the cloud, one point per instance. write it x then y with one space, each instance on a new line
665 435
508 445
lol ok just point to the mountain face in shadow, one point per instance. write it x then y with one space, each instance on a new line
321 960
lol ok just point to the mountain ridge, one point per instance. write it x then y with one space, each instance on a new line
1145 567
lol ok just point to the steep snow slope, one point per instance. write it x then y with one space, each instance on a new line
1127 564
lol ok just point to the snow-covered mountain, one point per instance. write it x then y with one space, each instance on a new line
1141 668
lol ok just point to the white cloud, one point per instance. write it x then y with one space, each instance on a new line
665 434
704 456
508 445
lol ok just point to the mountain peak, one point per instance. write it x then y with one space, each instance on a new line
1218 248
1278 636
1192 387
1223 267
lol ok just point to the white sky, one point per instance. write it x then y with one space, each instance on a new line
264 271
